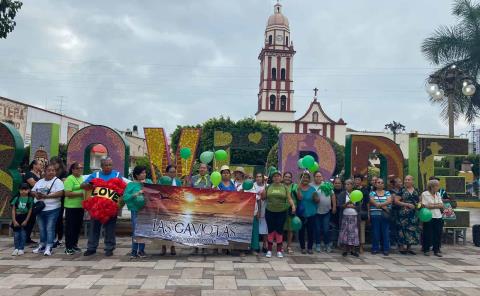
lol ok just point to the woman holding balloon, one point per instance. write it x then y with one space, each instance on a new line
307 195
292 187
349 218
407 221
432 228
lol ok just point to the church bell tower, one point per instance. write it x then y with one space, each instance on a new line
275 96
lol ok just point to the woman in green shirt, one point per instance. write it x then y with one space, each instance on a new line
73 208
279 200
133 197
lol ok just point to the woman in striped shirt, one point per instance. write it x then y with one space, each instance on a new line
379 212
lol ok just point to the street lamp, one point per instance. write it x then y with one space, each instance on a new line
448 82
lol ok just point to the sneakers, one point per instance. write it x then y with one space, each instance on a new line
89 253
318 249
38 249
21 252
69 251
142 254
133 255
328 249
57 243
279 255
269 254
15 252
77 249
48 251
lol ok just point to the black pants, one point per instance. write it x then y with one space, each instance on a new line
308 224
59 225
30 225
432 235
73 226
94 234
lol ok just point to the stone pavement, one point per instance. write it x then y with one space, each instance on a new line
457 273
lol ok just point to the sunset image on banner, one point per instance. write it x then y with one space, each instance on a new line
196 217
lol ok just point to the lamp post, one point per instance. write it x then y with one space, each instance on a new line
450 82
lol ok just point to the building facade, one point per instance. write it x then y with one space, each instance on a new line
275 96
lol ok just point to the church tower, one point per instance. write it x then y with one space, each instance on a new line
275 96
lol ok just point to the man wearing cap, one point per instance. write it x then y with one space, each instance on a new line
239 177
226 184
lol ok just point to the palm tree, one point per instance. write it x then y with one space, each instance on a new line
456 50
395 128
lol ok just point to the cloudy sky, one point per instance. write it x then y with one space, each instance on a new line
163 63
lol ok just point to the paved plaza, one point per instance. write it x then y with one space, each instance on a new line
457 273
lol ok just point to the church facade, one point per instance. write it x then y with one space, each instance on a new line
276 92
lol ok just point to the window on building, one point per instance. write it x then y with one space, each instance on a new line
286 41
283 103
283 74
274 73
270 40
272 102
315 116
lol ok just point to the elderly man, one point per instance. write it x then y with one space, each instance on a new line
239 177
106 174
202 180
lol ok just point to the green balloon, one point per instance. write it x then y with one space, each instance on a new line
296 224
215 178
356 196
220 155
424 215
206 157
185 153
300 164
165 180
314 167
308 161
247 184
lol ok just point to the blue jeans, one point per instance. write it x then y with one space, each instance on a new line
380 230
19 238
46 224
136 247
322 228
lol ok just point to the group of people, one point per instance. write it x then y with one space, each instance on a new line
52 197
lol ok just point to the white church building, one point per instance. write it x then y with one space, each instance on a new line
275 96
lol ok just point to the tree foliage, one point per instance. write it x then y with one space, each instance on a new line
458 45
8 11
247 125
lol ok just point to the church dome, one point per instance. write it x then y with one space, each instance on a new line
277 18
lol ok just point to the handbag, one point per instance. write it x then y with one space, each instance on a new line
40 204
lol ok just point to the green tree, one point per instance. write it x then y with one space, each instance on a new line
247 125
8 11
456 47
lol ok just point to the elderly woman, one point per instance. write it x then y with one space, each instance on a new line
432 230
327 206
279 200
379 211
407 222
349 220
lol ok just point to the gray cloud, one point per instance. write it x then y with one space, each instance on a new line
163 63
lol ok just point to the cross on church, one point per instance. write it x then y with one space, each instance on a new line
316 91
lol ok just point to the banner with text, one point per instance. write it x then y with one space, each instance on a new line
196 217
